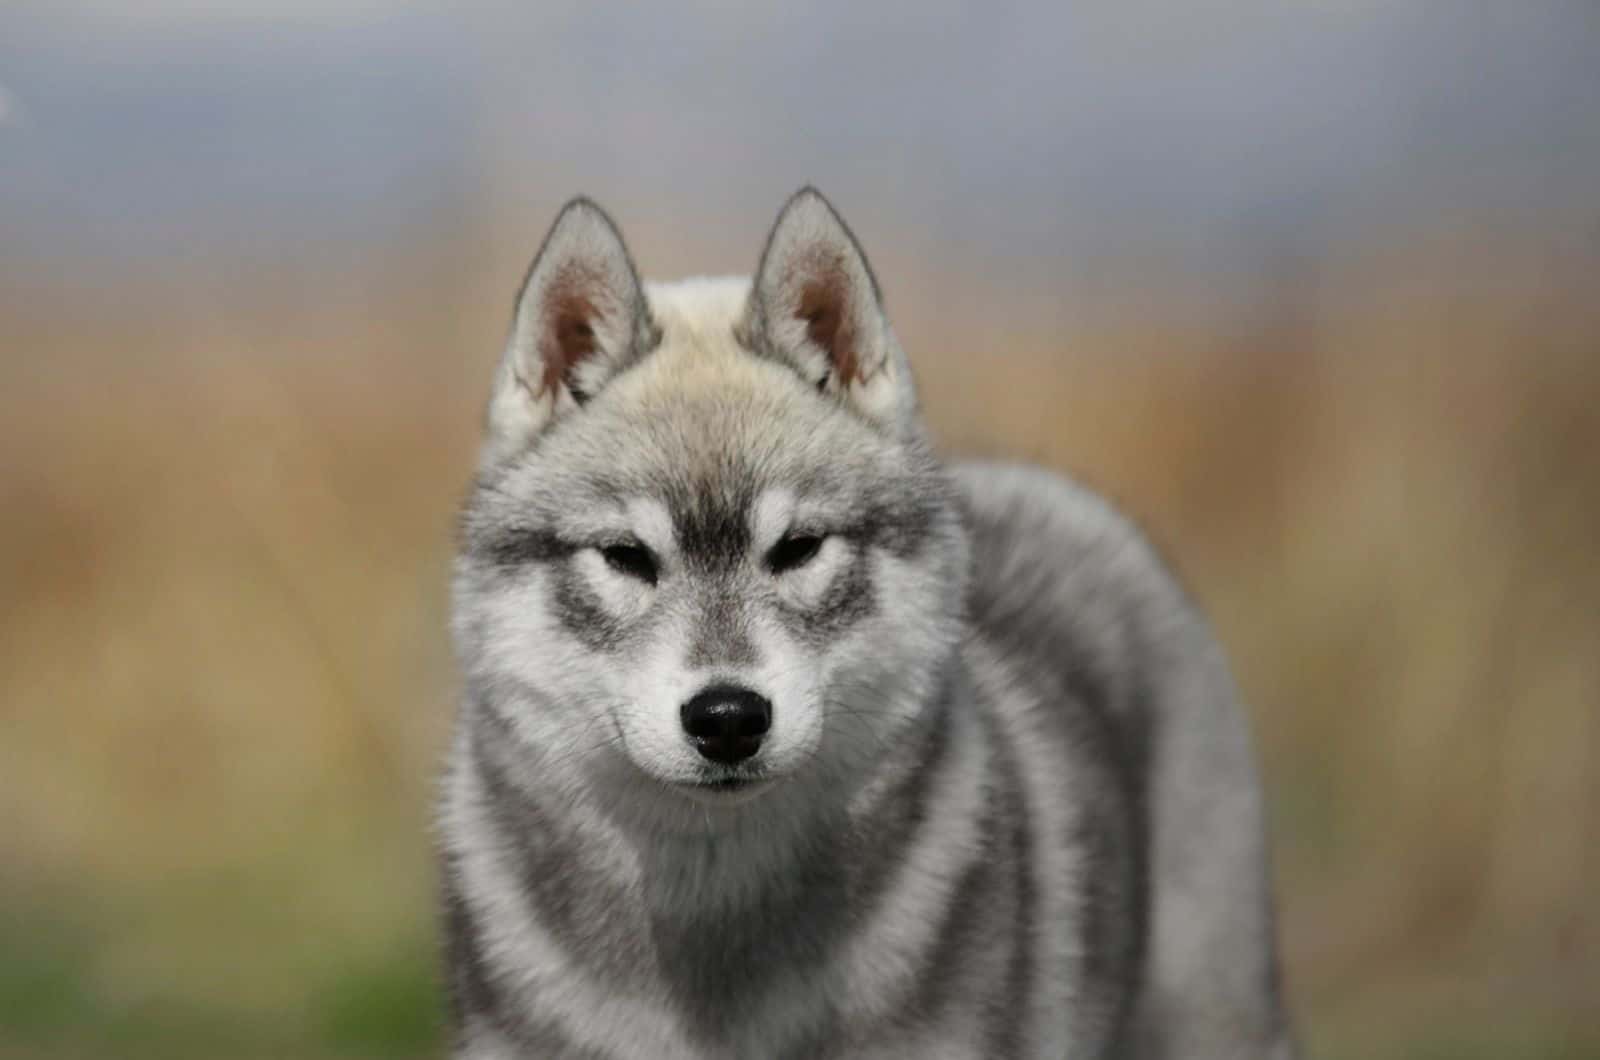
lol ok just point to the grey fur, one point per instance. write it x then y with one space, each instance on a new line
1007 806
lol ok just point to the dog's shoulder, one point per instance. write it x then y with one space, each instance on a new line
1064 583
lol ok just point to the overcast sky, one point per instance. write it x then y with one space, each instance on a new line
1208 134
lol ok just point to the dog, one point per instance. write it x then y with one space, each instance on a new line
782 737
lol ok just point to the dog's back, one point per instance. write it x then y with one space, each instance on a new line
1069 600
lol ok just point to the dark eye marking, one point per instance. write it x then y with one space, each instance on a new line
518 546
793 552
632 559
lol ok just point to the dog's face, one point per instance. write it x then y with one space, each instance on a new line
711 547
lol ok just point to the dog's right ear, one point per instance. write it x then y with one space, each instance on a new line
581 317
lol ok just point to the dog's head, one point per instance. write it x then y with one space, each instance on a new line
709 547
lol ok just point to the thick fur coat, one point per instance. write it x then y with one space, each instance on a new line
781 737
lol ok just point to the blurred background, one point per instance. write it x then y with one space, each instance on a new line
1310 287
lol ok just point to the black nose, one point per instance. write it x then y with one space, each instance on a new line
726 723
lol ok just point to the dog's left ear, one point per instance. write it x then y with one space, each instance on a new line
815 305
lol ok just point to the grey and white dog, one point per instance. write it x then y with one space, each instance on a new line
782 738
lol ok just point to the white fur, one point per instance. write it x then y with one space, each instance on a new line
591 1014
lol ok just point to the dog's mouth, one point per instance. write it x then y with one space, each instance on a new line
727 788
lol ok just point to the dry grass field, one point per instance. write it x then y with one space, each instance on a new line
224 673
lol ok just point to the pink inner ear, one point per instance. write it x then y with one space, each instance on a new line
825 307
568 313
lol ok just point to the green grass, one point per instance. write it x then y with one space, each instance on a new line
1478 1038
54 1002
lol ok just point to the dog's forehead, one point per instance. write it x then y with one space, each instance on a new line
709 430
701 311
712 478
702 406
718 498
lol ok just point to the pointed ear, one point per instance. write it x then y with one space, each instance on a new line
815 305
581 317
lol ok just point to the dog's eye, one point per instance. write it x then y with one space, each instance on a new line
633 560
793 552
